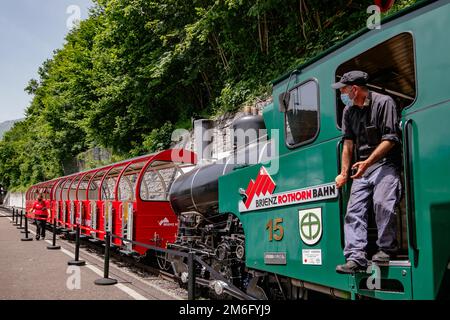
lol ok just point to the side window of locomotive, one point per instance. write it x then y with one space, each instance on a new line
391 69
302 114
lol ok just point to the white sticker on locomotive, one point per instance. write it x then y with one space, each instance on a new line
259 194
312 256
166 223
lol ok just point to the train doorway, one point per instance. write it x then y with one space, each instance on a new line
391 69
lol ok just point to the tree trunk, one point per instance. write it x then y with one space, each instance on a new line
302 20
266 33
263 32
219 49
206 81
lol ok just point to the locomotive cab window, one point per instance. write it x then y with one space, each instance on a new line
391 69
302 114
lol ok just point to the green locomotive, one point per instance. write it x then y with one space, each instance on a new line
290 210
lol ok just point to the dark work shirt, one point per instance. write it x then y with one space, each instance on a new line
371 124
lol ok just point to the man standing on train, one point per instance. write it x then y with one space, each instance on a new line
370 127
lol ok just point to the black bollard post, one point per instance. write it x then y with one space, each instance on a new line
13 211
26 231
106 280
23 231
191 276
54 246
20 224
77 262
17 218
15 214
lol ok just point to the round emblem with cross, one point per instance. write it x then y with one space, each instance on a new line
310 225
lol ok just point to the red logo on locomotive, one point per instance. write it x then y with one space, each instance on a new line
263 185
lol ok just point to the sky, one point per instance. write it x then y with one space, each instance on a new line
29 32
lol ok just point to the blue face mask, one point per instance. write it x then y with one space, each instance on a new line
346 99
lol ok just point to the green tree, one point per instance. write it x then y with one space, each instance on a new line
136 69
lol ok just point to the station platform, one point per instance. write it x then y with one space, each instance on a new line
28 270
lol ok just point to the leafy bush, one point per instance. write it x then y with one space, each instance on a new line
136 69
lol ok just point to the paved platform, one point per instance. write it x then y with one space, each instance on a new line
28 270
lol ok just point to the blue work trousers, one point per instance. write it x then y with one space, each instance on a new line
381 189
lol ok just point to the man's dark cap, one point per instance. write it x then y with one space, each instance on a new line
356 77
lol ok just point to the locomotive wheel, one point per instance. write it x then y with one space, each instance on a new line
163 263
225 270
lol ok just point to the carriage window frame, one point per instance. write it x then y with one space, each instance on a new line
338 102
131 167
65 188
303 143
179 168
111 174
57 191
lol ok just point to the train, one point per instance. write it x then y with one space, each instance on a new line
266 222
127 198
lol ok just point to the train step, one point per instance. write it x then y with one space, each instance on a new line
392 263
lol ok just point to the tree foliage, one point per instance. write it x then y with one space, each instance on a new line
136 69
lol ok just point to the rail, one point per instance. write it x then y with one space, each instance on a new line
192 259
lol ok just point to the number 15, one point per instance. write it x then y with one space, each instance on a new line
273 226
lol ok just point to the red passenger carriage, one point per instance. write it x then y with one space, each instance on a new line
129 199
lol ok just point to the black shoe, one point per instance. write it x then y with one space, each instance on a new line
381 256
37 237
349 267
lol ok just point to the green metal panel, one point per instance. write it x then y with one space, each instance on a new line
431 176
431 152
400 274
294 175
316 164
268 116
